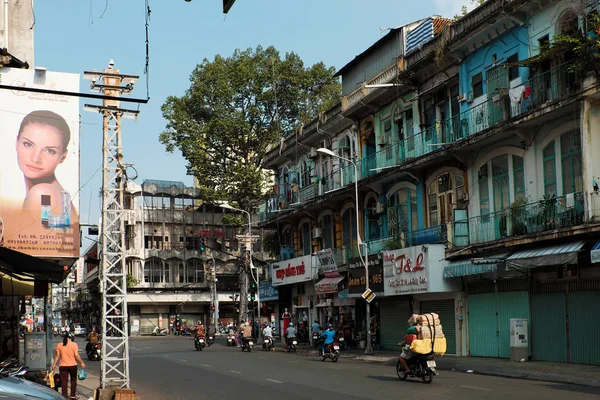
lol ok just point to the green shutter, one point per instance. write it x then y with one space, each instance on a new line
483 325
584 327
548 330
445 308
394 313
510 305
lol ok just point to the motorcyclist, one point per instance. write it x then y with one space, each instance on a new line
329 336
246 332
211 330
407 353
200 331
268 333
92 340
290 333
316 327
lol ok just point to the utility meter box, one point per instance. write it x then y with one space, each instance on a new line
519 342
35 350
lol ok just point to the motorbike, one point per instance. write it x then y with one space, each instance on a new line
94 351
421 366
315 339
210 341
332 352
199 342
231 340
293 346
247 344
268 344
159 331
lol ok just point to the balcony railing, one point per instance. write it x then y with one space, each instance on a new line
545 215
498 109
383 77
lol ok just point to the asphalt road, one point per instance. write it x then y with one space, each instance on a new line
170 368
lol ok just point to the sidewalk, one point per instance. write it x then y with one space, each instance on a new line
576 374
85 388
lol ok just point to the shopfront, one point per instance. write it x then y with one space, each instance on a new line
269 297
414 283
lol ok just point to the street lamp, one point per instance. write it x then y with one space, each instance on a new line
229 207
368 348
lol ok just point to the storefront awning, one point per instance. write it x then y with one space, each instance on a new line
28 268
328 285
474 266
554 255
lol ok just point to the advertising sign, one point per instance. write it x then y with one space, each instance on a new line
80 269
327 263
405 271
39 167
357 279
296 270
267 292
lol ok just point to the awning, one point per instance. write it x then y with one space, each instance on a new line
474 266
28 268
328 285
565 253
595 253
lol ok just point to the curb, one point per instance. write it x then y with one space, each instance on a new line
502 373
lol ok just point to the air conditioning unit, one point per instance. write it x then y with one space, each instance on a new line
383 141
313 153
316 233
461 97
378 208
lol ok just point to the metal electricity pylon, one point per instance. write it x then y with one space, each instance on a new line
113 273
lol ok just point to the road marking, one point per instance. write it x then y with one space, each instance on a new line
181 359
148 347
166 355
234 371
204 365
274 381
474 387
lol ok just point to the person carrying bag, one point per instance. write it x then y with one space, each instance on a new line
68 354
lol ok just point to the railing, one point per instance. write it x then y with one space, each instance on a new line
545 215
383 77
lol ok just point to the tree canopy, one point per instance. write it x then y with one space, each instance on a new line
235 108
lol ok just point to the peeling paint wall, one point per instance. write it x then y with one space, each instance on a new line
20 29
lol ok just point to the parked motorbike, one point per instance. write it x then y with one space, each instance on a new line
199 342
332 351
17 372
159 331
268 344
210 341
231 340
421 366
293 346
94 352
9 363
247 344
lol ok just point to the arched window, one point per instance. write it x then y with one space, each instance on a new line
286 239
349 235
498 189
194 270
328 231
153 268
442 196
572 170
305 241
373 230
402 212
305 171
171 265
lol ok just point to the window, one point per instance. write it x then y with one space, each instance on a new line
484 191
348 227
570 151
403 215
153 270
327 232
181 271
305 178
306 245
477 85
387 132
500 182
428 113
513 70
408 128
549 170
373 231
194 270
518 177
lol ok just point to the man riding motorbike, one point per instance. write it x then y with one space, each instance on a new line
407 353
268 335
245 332
200 331
92 340
290 333
329 336
211 332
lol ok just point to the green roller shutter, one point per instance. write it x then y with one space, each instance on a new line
483 333
548 327
510 305
584 327
394 313
445 308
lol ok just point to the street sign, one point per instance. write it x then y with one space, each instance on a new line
368 295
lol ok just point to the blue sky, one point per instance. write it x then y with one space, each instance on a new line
78 35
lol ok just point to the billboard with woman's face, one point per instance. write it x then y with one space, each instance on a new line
39 164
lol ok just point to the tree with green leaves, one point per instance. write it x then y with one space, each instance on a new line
234 109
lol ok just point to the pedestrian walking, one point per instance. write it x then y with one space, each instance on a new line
67 357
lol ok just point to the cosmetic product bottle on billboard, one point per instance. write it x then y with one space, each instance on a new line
45 201
66 208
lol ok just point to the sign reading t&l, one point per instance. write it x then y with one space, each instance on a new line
405 271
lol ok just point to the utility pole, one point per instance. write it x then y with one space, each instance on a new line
113 279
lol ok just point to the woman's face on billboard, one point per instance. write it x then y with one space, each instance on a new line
40 149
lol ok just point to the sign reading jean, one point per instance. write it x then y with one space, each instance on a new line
357 279
405 271
296 270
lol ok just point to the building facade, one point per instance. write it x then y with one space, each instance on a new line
471 143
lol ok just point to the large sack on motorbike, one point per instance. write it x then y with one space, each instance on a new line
423 346
429 319
409 338
428 331
414 319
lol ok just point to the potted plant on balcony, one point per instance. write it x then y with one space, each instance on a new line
518 216
547 215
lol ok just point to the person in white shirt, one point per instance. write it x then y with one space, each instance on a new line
268 332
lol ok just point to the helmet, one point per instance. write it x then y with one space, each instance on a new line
291 324
70 335
329 326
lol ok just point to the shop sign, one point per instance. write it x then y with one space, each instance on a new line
357 280
296 270
405 271
267 292
327 263
343 294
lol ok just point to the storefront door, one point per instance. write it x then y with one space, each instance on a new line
445 308
394 313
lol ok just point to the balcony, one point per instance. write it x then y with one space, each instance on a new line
545 215
359 94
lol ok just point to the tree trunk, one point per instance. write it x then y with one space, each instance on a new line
243 317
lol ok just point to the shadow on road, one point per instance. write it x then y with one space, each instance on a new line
574 388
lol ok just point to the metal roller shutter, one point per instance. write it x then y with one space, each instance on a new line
445 308
548 318
483 335
147 323
584 327
394 313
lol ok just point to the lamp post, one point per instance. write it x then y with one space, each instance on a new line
368 348
229 207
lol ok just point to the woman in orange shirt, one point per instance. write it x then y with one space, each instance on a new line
68 353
